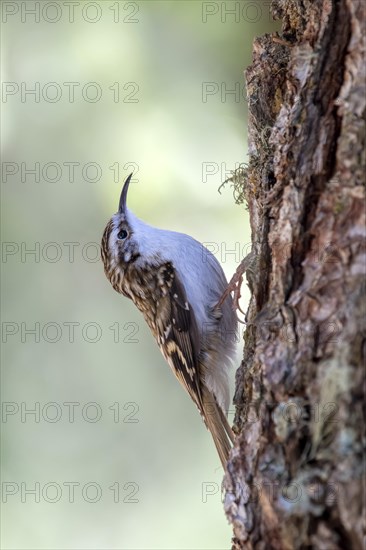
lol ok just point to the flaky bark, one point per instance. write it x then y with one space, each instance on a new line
294 479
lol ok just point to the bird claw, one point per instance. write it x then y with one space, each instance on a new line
235 284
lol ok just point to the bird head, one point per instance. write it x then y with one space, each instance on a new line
119 243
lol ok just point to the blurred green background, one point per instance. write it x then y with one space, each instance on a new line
141 86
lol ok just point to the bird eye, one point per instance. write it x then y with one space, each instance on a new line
122 234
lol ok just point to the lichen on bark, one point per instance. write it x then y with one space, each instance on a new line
294 476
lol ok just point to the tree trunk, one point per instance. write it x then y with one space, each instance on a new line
294 478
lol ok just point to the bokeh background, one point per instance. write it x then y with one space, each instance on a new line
115 455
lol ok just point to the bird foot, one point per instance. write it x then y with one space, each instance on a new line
235 284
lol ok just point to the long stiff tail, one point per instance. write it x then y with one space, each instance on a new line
218 425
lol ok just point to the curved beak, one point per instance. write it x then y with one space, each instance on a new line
123 197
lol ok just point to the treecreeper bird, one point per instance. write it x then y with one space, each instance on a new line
178 286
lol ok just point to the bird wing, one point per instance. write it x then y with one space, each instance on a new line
177 332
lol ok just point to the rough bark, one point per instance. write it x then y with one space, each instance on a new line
294 478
